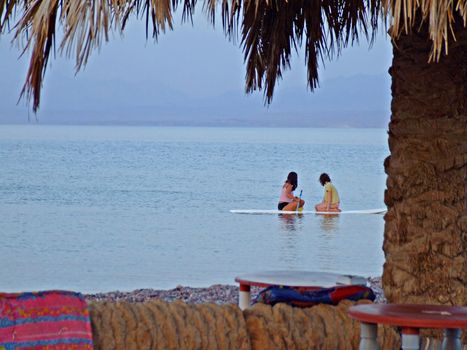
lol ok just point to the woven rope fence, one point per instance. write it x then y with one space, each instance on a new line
161 325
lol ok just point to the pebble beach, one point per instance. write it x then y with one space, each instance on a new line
216 294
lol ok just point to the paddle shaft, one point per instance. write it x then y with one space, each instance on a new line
299 200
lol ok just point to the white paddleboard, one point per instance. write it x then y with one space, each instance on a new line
265 211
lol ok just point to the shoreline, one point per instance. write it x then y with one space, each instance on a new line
216 294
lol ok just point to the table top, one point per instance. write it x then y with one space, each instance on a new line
307 279
411 315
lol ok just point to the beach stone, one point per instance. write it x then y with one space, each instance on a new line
217 294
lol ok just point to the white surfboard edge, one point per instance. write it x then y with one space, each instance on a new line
265 211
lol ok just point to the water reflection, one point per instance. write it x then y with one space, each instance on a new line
290 222
329 222
291 225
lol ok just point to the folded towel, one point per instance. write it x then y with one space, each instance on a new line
297 297
52 320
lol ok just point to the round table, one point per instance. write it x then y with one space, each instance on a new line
410 317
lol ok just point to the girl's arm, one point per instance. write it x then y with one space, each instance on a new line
328 199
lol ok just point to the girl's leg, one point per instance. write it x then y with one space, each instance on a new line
324 207
335 207
321 207
290 207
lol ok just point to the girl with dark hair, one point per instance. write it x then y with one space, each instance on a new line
331 199
287 200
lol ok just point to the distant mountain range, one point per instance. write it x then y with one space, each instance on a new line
357 101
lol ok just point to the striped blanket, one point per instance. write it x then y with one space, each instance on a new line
53 320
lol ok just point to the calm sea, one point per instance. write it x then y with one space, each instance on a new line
98 208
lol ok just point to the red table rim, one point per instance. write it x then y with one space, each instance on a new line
264 284
411 315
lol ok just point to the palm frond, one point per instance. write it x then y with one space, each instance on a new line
40 19
269 30
8 9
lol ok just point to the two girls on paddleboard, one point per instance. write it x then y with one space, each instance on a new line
289 202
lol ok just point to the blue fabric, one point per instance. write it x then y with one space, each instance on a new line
295 297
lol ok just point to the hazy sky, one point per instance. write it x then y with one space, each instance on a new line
196 60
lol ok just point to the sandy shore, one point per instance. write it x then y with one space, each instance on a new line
217 294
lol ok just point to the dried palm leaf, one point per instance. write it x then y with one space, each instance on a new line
439 14
272 29
269 29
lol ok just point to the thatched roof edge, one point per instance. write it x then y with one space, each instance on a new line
270 29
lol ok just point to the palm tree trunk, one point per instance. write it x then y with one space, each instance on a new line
425 233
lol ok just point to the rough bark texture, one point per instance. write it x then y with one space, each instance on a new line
179 326
426 222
